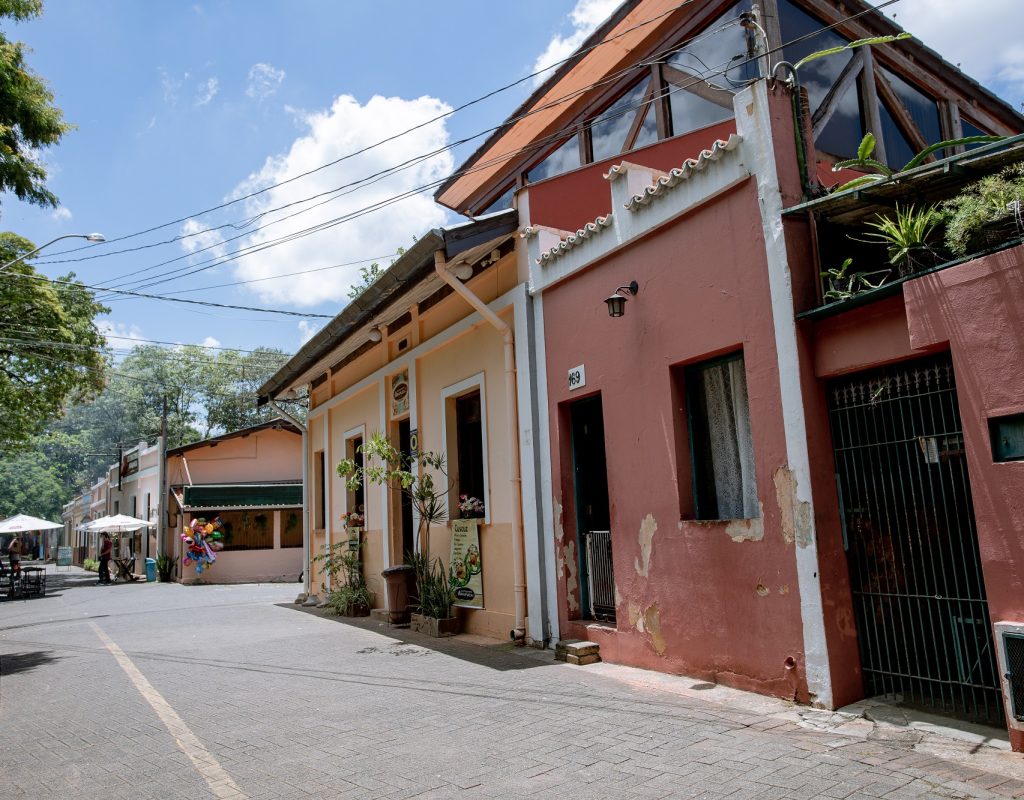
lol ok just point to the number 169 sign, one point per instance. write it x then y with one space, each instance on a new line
577 377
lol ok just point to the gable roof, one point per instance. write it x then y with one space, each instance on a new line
278 423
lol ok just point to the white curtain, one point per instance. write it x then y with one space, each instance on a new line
732 452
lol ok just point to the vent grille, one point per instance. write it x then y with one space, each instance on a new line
1014 644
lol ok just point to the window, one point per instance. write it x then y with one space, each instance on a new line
465 429
356 500
319 490
724 483
246 530
565 158
291 527
615 130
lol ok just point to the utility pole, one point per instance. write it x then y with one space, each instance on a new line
161 505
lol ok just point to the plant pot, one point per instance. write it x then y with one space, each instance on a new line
358 610
396 584
432 626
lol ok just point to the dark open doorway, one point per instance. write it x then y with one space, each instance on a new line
408 532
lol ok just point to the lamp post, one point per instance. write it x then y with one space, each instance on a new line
89 237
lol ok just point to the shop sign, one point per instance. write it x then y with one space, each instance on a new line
400 394
467 563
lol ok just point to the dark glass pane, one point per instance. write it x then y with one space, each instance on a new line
690 112
714 51
648 130
608 134
469 440
843 133
817 76
923 110
897 149
503 202
969 129
565 158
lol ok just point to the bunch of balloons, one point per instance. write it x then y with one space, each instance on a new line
202 541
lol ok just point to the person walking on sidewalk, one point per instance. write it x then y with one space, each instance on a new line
106 548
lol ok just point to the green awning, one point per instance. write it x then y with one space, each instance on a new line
267 495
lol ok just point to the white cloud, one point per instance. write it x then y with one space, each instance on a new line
207 91
307 330
61 214
344 128
119 334
201 240
585 17
264 80
171 86
980 37
210 341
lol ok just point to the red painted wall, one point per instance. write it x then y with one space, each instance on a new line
571 200
715 607
977 309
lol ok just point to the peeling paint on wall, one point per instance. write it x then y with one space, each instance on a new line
559 531
762 590
652 621
797 522
572 586
646 537
745 530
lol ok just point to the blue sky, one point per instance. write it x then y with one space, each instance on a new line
181 106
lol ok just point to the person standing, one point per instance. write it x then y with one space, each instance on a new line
14 553
106 548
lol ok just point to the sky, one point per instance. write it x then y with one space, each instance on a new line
184 107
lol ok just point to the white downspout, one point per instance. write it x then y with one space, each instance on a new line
518 550
305 486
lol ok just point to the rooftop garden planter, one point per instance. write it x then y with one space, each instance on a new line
987 212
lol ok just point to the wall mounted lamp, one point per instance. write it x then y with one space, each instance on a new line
463 271
374 335
617 302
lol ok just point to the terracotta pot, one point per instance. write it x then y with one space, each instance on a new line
396 584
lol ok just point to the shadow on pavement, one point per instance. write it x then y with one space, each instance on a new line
14 663
501 656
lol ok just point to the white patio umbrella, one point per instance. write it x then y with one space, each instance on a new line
119 523
23 522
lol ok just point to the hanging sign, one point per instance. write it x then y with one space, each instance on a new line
400 393
467 563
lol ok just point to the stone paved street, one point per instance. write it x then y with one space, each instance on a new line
270 701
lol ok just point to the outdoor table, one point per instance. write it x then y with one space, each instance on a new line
33 580
125 567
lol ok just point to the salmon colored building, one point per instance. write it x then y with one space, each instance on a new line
252 480
757 475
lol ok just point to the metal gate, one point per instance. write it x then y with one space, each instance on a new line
600 575
912 547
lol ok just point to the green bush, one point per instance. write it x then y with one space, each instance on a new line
164 568
350 601
92 566
995 200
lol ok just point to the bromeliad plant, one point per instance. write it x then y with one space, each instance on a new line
843 284
908 236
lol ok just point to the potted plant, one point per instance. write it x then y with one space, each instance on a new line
436 616
164 568
843 284
986 213
350 596
426 483
471 507
908 236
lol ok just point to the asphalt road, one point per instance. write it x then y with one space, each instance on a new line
167 691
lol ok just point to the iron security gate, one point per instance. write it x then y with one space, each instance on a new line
600 575
908 529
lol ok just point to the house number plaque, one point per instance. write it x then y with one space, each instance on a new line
577 377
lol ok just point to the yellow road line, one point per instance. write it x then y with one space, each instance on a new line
213 773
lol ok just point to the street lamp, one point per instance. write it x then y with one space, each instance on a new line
89 237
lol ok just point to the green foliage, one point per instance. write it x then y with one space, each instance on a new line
349 601
434 587
165 568
49 347
28 119
352 595
992 200
91 565
831 51
907 235
864 160
367 275
843 284
31 485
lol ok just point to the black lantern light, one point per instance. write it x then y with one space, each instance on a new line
617 302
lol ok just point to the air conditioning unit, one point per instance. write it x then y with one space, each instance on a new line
1010 652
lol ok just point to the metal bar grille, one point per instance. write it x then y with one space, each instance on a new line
600 576
912 547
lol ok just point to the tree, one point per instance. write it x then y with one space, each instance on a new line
28 119
50 347
235 378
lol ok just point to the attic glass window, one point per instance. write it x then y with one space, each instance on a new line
970 129
923 110
612 131
690 112
565 158
720 46
503 202
897 149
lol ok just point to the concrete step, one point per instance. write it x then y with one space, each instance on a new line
574 651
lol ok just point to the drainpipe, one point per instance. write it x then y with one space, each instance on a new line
518 550
305 485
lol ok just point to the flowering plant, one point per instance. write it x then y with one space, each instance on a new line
353 519
471 506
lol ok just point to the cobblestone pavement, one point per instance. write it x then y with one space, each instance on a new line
273 702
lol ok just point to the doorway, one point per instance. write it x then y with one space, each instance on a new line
408 532
590 485
912 547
